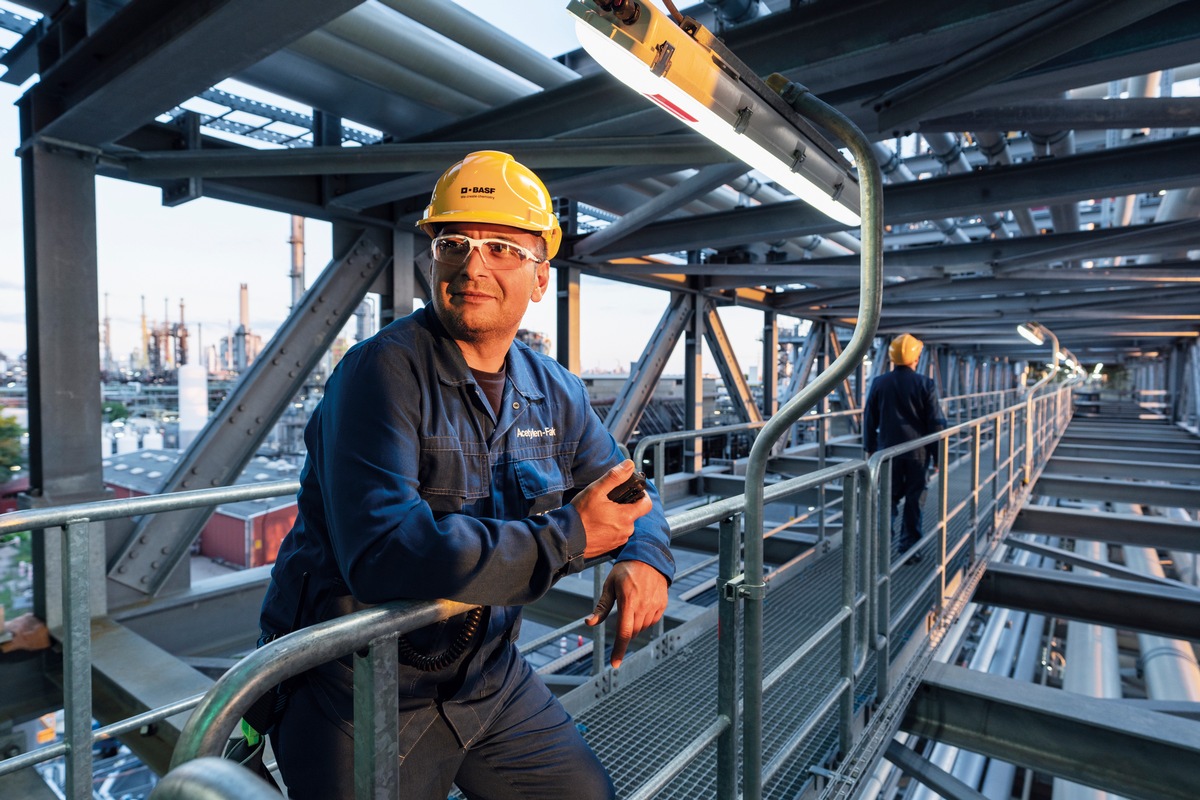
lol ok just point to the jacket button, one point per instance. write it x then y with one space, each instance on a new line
516 406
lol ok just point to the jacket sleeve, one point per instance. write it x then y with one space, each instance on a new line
387 541
598 452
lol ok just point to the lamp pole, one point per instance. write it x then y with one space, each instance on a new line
1038 330
871 278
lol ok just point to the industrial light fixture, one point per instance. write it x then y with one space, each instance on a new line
683 69
1032 333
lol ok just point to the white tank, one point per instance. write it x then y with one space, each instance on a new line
193 402
127 442
152 441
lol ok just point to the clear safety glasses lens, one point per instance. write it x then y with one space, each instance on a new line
454 250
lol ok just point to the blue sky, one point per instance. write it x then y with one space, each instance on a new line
203 250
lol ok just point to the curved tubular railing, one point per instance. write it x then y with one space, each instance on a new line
75 523
212 779
751 586
232 695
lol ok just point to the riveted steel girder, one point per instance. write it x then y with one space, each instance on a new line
233 433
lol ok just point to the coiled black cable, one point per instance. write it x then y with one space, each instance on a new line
433 662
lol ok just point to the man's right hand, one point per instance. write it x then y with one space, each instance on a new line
607 524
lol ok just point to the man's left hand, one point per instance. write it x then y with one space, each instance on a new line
640 593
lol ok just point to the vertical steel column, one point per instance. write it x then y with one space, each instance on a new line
770 363
377 722
567 344
405 286
567 324
62 324
693 389
76 639
728 627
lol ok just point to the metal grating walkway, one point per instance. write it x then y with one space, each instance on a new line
641 725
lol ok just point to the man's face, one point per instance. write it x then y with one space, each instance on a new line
481 305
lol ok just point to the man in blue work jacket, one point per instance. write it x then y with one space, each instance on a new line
903 406
447 460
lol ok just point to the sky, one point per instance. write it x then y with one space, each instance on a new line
200 253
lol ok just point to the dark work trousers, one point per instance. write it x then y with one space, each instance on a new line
530 749
908 484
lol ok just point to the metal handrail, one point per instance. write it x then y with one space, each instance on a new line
100 510
232 695
1051 412
212 779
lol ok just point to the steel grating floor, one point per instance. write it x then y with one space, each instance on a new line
639 728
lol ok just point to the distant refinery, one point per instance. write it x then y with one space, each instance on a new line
165 345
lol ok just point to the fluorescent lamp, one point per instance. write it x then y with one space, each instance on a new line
1032 333
691 76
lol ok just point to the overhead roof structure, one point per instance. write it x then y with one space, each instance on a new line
1054 176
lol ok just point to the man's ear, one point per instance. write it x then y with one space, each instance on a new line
541 281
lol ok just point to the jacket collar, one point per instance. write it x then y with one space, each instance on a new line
452 368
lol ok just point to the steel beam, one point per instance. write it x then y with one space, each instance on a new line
151 56
1166 164
930 774
227 443
1011 253
62 324
1104 567
426 157
130 675
1039 38
1067 735
1122 470
1056 115
721 350
636 392
1115 528
1154 494
1130 605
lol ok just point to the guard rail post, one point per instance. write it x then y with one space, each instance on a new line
377 715
728 626
943 527
77 658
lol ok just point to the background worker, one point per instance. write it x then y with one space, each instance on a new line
903 406
447 460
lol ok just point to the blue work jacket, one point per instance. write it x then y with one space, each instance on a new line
901 406
413 488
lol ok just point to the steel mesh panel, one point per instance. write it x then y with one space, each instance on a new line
638 729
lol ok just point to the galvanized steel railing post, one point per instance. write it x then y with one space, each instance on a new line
943 524
882 534
77 655
976 433
728 626
850 534
376 722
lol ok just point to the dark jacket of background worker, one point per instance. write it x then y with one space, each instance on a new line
903 406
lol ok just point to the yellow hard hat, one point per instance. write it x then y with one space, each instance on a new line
490 186
905 349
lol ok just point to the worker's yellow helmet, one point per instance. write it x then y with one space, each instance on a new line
905 349
490 186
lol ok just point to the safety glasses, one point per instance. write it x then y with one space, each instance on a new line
453 249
